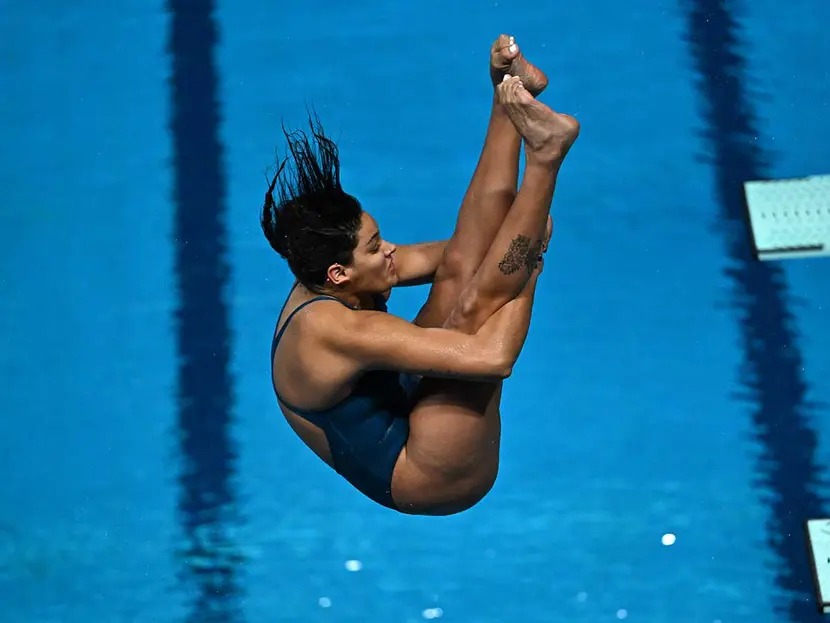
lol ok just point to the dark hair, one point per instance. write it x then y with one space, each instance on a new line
314 223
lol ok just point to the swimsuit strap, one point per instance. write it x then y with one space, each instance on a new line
278 336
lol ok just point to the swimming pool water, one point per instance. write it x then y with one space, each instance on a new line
670 383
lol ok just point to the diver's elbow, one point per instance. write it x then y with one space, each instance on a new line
502 367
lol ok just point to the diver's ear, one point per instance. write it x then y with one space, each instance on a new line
338 275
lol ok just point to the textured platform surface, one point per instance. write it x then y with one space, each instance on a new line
790 218
818 536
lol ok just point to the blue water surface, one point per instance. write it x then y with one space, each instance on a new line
671 383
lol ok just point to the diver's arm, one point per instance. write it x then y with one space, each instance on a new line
416 263
377 340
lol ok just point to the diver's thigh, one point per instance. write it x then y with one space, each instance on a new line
451 457
452 428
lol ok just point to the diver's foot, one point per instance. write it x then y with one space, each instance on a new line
506 58
548 135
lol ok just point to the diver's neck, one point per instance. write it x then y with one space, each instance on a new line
355 301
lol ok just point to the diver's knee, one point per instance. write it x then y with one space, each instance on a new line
470 310
454 265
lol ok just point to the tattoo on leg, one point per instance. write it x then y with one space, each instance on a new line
521 253
514 259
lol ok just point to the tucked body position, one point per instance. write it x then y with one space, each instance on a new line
409 412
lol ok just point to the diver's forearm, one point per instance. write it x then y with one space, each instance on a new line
507 329
417 263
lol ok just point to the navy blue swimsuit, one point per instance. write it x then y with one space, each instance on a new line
368 429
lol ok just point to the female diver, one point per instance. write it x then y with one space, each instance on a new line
408 413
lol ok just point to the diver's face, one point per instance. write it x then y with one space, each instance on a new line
373 269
